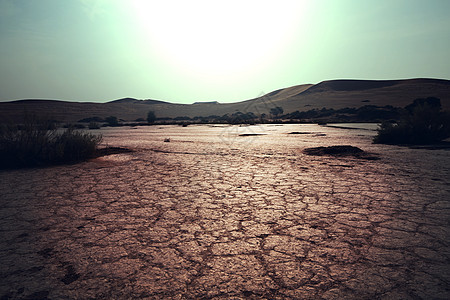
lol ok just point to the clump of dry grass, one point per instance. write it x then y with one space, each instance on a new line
37 142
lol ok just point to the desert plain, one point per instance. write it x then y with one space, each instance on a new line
230 212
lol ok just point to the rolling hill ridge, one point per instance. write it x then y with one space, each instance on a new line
334 94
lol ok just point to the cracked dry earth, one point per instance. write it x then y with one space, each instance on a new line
215 215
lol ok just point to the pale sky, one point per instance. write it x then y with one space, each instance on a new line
226 51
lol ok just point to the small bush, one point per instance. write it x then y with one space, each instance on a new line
421 122
112 121
34 144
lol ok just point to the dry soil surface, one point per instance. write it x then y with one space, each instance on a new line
215 215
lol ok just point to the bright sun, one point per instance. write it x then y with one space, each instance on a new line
219 37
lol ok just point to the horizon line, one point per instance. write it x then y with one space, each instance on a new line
218 102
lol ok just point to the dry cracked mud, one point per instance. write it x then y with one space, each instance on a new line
214 214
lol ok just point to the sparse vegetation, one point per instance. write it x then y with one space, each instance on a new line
421 122
366 113
37 143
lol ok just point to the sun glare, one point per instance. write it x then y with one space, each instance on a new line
214 38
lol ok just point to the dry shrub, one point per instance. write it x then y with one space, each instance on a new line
422 122
37 142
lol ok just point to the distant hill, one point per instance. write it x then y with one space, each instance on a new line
334 94
137 101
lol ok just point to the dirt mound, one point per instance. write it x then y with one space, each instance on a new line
341 150
112 150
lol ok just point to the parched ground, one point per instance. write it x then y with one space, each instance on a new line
215 215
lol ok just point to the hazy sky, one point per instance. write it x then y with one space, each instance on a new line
187 51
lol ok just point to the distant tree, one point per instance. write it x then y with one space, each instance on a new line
276 111
112 121
93 125
151 117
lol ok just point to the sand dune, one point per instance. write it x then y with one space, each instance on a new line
330 94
